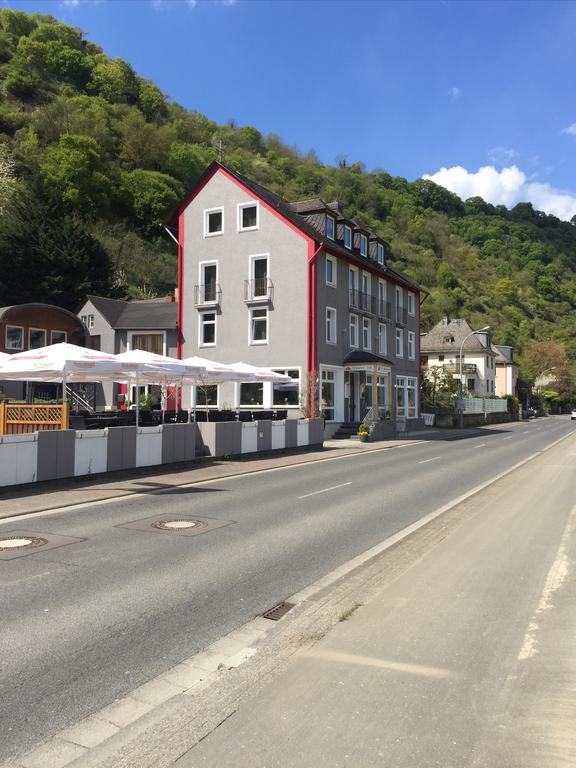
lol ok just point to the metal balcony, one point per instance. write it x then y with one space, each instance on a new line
208 295
364 302
385 310
259 289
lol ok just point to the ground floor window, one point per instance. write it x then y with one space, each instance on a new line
406 397
383 395
327 394
207 396
287 395
252 394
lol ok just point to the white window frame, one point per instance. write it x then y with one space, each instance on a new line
382 347
201 280
284 370
334 281
356 326
52 332
411 345
379 254
21 329
332 339
262 342
411 304
363 245
367 334
42 330
401 384
149 332
241 206
414 386
333 220
399 338
348 236
194 397
258 257
207 212
201 325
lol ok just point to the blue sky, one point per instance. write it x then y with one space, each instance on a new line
441 87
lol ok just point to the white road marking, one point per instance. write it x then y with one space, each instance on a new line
369 661
425 461
482 445
556 578
508 438
324 490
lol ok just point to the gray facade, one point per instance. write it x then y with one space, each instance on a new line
114 326
366 347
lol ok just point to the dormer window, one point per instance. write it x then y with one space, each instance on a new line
330 227
380 253
363 245
347 237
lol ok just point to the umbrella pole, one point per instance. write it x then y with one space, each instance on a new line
137 403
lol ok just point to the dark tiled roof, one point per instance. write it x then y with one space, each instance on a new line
308 206
110 309
448 335
359 357
150 314
287 210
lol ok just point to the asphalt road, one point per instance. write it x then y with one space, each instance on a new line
85 623
465 659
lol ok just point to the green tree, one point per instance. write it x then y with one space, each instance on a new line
74 169
151 194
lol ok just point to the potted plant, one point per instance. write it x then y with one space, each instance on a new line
364 432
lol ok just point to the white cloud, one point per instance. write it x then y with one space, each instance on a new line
191 3
571 130
506 187
455 93
71 3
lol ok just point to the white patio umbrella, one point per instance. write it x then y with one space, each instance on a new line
150 368
215 373
60 363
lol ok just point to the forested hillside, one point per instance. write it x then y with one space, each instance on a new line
92 157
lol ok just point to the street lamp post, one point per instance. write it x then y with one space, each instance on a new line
482 330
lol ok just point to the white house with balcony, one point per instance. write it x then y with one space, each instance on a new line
467 355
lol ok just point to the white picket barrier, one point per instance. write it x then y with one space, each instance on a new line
18 458
249 437
91 452
278 435
148 446
302 433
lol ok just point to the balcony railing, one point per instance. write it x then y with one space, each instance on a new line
364 302
259 289
401 315
455 368
385 310
207 295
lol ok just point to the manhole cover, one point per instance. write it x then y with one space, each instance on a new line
178 525
20 542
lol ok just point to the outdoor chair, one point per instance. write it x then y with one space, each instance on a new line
245 416
280 415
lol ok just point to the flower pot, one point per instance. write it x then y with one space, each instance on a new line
363 438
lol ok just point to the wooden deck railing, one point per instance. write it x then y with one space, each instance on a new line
23 418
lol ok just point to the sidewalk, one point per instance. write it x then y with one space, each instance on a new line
56 494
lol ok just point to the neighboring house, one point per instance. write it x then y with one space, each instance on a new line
30 326
298 287
441 347
117 326
506 371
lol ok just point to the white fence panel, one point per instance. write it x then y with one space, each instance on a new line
278 435
249 437
148 446
302 433
91 452
484 405
18 458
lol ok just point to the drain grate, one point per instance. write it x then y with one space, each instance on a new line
276 613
